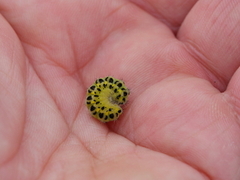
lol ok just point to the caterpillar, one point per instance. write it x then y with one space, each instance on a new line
105 97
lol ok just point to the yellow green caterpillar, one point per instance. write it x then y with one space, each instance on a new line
104 98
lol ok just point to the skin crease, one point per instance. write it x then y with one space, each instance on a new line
179 59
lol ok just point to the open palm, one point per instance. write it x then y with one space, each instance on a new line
179 59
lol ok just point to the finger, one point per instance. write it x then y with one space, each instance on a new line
211 34
172 13
234 94
12 91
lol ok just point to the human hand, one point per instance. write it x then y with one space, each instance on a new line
179 59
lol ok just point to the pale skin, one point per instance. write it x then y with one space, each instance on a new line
179 59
